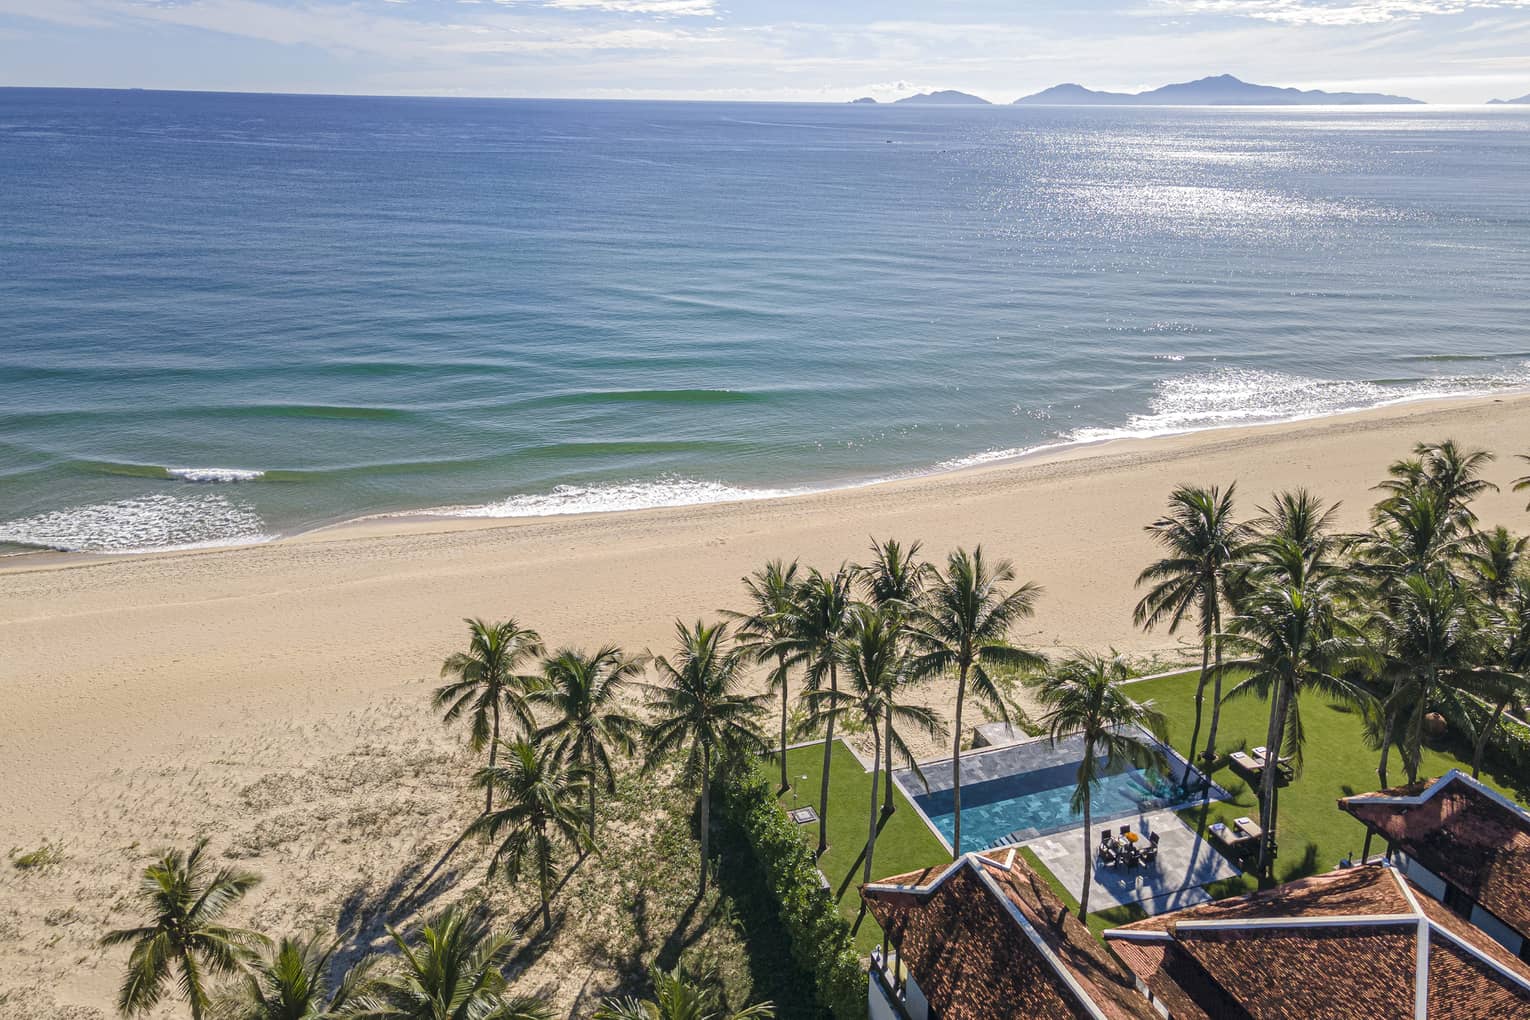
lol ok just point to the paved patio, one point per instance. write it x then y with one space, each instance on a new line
1185 863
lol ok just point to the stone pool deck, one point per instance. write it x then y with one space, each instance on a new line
1185 863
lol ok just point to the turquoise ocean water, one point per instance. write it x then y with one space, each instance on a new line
225 318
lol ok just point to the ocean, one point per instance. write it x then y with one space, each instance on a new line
226 318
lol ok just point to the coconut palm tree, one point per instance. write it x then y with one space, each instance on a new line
1494 558
1290 638
1521 484
542 794
453 969
818 621
185 898
877 672
698 704
291 982
1448 469
962 626
1504 677
1431 640
1412 533
766 633
895 579
1204 544
679 996
485 683
1084 697
590 726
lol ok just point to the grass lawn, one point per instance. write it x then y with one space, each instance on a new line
904 843
1313 833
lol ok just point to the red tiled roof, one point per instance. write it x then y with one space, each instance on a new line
986 939
1470 836
1332 947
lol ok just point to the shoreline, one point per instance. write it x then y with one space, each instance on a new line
425 521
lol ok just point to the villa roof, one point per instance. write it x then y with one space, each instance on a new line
1471 836
986 939
1350 943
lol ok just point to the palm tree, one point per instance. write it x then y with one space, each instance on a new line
1495 557
1413 533
679 996
895 580
698 705
453 970
185 899
541 809
291 982
1291 638
1505 676
1448 469
486 683
962 626
878 670
767 634
1204 543
1430 640
591 726
1084 697
1521 484
822 607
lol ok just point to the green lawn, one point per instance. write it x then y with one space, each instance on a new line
1314 834
904 843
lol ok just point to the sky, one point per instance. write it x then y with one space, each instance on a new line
1445 51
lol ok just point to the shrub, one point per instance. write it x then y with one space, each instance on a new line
820 936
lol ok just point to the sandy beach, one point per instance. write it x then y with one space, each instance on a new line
147 699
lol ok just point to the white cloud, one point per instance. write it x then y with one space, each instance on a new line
1337 12
666 8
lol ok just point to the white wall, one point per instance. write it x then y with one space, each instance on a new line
877 1006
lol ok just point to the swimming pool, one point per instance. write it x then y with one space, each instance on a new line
1025 792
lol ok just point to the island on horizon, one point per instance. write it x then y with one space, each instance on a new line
1217 90
1523 100
944 97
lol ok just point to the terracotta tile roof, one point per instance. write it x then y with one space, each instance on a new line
986 939
1469 835
1332 947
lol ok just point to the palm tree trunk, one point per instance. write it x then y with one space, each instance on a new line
545 883
1083 899
592 817
1200 696
1216 689
706 813
888 807
488 790
784 782
1388 721
871 817
1482 738
1270 774
956 764
1413 760
823 790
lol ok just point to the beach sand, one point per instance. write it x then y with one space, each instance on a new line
275 696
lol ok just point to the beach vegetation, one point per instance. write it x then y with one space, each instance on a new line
40 859
961 628
679 995
698 706
541 795
485 684
592 726
818 622
183 941
1084 696
290 981
766 632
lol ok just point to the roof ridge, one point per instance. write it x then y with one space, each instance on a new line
1429 792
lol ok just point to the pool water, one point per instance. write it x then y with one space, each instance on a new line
1038 802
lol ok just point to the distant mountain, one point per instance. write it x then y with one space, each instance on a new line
1521 101
945 97
863 99
1221 90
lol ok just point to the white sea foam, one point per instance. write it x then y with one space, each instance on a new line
214 474
1234 396
605 498
147 523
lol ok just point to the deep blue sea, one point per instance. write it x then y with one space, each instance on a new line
229 317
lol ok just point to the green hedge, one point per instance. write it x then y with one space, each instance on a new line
820 937
1507 754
